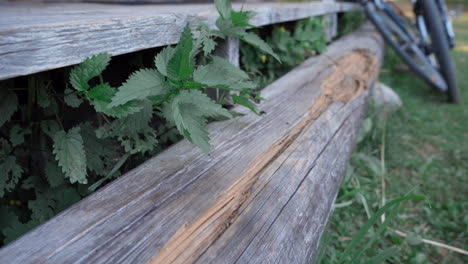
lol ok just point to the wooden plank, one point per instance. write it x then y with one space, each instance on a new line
36 37
266 188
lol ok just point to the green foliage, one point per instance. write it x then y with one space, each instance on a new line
87 70
292 46
140 85
70 154
350 21
66 141
10 173
180 66
8 105
189 111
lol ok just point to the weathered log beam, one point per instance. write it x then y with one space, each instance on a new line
38 37
262 195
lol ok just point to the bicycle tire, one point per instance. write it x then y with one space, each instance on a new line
382 28
441 47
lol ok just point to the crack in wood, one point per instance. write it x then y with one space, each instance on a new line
348 79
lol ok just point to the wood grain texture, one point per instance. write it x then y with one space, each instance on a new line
37 37
262 195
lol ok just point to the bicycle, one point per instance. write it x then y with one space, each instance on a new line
423 42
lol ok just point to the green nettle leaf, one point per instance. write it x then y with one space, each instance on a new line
221 73
88 69
7 216
50 127
132 131
257 42
17 134
140 85
241 19
43 207
10 173
118 111
102 92
99 152
245 102
17 229
101 97
54 174
208 44
43 98
68 197
180 66
8 105
70 154
52 109
189 112
162 59
224 8
139 142
71 99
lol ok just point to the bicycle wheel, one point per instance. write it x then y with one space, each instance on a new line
441 47
399 37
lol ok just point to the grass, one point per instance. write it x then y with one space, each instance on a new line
420 149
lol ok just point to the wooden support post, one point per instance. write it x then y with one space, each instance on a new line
228 49
263 195
331 26
331 23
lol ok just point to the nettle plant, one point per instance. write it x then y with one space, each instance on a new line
50 160
292 43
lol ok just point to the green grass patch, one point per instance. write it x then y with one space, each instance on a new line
420 149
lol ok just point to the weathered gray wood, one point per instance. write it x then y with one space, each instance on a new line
262 195
37 37
228 49
331 29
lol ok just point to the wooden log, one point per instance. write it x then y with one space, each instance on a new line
262 195
36 37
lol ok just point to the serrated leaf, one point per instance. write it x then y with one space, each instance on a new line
7 216
102 92
189 111
241 19
8 105
43 98
17 134
221 73
140 85
132 131
224 8
80 75
54 174
245 102
139 142
71 99
99 152
257 42
52 109
68 197
101 96
118 111
208 44
70 154
180 66
10 173
162 59
17 229
50 127
42 207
